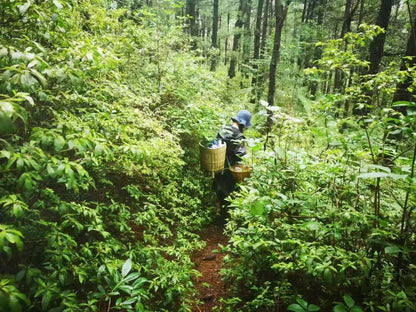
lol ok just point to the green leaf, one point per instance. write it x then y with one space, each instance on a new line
45 300
295 308
6 125
356 309
57 4
7 108
59 143
14 304
126 267
126 288
139 282
349 301
5 154
51 171
23 8
3 51
313 308
130 301
311 225
257 209
29 99
393 250
302 303
373 175
39 76
328 276
340 308
27 80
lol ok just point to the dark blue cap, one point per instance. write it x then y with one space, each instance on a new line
243 118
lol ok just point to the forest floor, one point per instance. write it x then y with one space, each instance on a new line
210 286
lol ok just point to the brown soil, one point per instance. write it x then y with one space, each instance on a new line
210 286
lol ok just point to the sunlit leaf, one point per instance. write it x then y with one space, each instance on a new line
23 8
126 267
57 4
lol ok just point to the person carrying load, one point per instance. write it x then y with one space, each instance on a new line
224 183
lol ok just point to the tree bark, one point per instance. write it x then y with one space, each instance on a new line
346 27
214 37
256 54
310 11
376 51
402 92
304 10
346 24
226 40
361 15
257 31
280 16
377 45
236 40
247 32
191 27
264 28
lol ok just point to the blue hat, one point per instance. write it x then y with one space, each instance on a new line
243 118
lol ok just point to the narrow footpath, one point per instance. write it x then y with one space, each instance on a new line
210 285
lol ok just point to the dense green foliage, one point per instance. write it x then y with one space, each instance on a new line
98 207
102 106
326 222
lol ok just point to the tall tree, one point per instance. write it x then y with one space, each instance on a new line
346 27
377 45
361 13
257 31
280 16
236 40
403 93
214 37
264 27
226 39
376 50
257 37
192 26
247 31
308 10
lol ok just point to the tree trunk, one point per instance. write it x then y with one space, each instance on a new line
346 27
346 24
361 15
257 31
236 40
376 51
214 37
256 56
304 10
402 92
377 45
247 31
280 16
264 28
310 11
191 27
226 40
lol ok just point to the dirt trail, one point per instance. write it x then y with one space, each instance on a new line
210 285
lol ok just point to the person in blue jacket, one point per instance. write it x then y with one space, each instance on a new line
232 134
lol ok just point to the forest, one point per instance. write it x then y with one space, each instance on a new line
103 104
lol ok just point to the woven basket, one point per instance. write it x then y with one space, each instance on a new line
212 159
240 172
